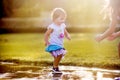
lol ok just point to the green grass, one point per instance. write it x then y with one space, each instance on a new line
83 50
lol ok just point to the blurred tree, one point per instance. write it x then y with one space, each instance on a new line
1 9
79 12
8 6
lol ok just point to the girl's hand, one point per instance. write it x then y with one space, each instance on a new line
69 37
98 38
47 43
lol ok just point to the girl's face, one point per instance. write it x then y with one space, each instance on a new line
60 19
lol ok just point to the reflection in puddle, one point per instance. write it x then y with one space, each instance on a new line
69 73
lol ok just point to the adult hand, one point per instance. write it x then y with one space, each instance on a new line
98 38
112 37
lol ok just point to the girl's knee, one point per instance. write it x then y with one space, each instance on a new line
60 55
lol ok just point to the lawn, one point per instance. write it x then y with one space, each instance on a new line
82 50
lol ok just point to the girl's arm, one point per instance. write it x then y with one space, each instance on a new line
67 35
109 31
46 37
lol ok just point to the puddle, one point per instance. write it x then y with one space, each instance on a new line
69 73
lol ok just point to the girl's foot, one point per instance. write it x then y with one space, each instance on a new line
56 70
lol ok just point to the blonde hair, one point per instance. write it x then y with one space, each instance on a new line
111 7
58 12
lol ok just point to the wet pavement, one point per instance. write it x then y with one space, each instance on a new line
69 73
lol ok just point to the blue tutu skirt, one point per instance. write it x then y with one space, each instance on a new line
55 50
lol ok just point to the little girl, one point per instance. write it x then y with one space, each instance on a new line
54 37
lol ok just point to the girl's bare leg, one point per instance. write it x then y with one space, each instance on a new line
56 61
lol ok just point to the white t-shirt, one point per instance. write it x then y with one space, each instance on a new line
56 37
